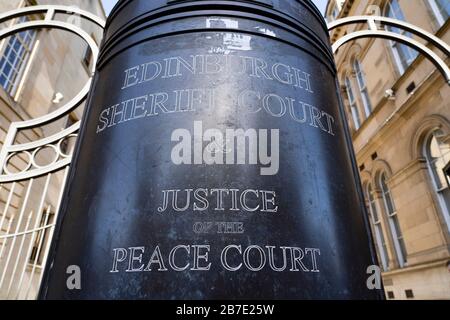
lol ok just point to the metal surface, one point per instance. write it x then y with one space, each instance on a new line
143 221
32 193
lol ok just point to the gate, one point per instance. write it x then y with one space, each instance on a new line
34 168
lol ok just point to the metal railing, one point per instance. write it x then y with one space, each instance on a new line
29 189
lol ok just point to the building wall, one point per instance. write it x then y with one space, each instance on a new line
391 140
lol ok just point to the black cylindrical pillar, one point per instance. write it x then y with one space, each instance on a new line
213 161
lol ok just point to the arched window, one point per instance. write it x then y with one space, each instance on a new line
437 153
362 87
394 225
15 57
353 104
403 54
377 229
441 10
333 13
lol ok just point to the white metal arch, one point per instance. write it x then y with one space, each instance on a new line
48 22
375 32
50 10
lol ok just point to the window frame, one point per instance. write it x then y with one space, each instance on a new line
335 12
378 228
393 221
362 85
437 13
37 254
352 102
27 41
396 47
444 207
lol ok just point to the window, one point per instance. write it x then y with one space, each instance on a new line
352 102
41 240
362 87
409 294
15 57
335 13
403 55
394 225
437 153
87 57
377 228
441 10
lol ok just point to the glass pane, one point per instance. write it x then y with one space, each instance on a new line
443 145
385 253
362 87
444 8
440 164
373 207
389 204
434 149
14 57
348 85
387 195
17 46
21 52
355 116
383 249
3 81
23 19
7 69
366 101
394 10
397 226
7 50
405 53
369 193
358 72
22 35
398 238
438 155
403 248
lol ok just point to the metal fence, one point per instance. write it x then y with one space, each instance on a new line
34 168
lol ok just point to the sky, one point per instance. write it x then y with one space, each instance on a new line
109 4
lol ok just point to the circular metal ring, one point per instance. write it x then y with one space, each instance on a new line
61 153
35 152
5 167
77 100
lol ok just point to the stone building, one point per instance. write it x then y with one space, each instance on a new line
398 108
40 70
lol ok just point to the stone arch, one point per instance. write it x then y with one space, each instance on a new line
428 125
347 68
379 167
354 54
